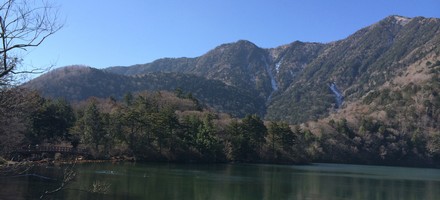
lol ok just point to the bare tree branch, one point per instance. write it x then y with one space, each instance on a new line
69 175
24 24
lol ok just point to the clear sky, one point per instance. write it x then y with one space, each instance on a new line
104 33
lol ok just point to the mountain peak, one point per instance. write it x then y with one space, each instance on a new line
392 20
240 44
244 42
401 20
395 21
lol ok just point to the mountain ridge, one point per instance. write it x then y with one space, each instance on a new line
292 82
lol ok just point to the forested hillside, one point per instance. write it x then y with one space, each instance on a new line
372 97
289 83
76 83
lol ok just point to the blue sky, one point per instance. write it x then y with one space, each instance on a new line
103 33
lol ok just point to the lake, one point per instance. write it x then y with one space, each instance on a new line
228 181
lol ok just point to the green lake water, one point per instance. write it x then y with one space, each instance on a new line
229 181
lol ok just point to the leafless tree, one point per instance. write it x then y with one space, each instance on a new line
15 106
24 24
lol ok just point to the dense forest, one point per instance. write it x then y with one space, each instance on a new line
164 126
155 126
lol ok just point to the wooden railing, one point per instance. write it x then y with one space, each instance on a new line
50 149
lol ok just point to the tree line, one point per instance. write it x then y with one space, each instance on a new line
155 126
164 126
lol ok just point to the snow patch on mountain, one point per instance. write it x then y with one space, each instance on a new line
278 64
272 78
273 82
338 96
402 20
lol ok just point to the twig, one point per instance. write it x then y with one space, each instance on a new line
69 175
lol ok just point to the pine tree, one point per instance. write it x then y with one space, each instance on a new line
93 126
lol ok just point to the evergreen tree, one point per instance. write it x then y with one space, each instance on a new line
237 146
93 126
281 138
254 132
288 138
206 141
273 137
51 121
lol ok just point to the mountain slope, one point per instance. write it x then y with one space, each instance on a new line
296 82
241 64
361 63
76 83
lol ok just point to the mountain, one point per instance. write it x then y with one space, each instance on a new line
295 83
357 65
241 64
76 83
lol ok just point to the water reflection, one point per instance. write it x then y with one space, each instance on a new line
174 181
